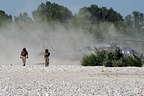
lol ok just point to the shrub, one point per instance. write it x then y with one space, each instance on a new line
117 63
111 59
94 59
100 56
89 60
107 63
132 61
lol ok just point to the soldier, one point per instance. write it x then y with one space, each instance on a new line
46 57
24 55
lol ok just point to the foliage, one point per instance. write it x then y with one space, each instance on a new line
93 18
117 63
98 21
89 60
111 59
135 21
95 14
94 59
23 18
132 61
4 18
51 12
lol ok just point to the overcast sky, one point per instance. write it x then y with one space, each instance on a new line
124 7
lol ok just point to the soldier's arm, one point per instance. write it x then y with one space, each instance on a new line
20 55
27 54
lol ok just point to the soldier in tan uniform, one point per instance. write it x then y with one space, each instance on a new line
46 57
24 55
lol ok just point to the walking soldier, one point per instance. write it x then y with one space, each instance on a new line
46 57
24 55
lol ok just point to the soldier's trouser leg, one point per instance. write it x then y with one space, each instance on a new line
24 60
46 61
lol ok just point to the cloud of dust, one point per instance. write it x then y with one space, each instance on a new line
131 39
35 39
61 41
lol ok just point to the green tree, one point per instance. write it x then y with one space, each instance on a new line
23 21
96 14
96 20
135 21
113 16
104 13
51 12
82 19
4 18
23 18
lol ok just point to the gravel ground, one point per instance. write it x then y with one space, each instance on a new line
70 80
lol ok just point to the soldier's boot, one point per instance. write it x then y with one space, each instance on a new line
46 64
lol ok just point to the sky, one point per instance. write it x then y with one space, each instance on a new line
124 7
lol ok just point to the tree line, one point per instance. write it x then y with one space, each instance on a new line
88 18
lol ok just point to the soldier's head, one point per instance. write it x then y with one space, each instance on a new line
46 50
24 48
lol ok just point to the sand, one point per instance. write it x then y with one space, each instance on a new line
70 80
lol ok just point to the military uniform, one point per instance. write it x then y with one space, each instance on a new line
24 55
46 57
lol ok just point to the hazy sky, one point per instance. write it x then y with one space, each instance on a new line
124 7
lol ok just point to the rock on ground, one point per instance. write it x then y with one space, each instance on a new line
71 80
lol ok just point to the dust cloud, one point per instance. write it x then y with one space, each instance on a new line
64 43
60 41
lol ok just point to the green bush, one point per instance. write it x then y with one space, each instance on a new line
89 60
132 61
107 63
101 56
94 59
111 59
117 63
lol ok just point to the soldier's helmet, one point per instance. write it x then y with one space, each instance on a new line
24 48
46 50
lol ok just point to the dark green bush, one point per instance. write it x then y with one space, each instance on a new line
111 59
117 63
132 61
89 60
94 59
101 56
107 63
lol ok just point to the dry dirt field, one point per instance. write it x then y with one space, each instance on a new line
70 79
